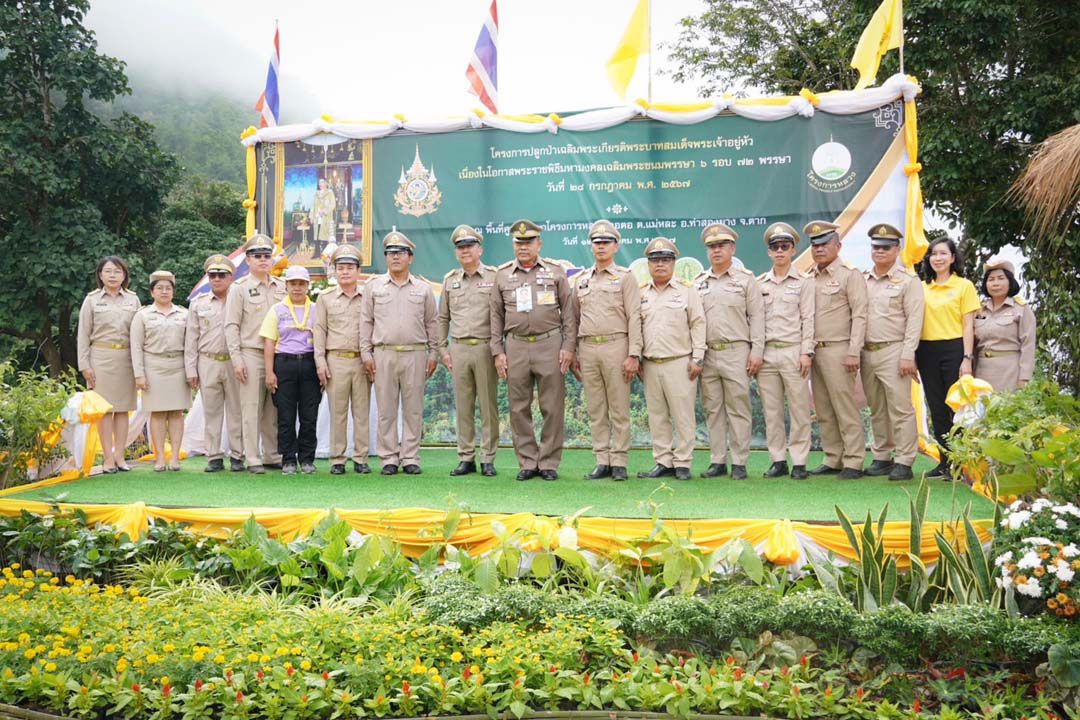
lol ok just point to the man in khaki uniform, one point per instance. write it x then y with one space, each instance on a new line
465 343
533 337
248 301
338 364
398 344
206 362
607 306
839 330
788 297
735 337
673 346
894 322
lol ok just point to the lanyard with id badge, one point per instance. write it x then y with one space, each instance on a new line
523 295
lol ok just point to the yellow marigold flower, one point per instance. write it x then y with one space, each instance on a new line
358 659
219 659
29 654
281 651
1052 604
24 639
253 657
15 566
456 656
1062 598
168 647
264 659
297 650
305 664
477 651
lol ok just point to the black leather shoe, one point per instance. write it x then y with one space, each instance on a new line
658 471
411 469
272 466
528 474
618 473
798 472
715 470
850 474
682 473
901 472
389 469
361 468
487 469
338 469
738 472
215 466
549 475
941 471
824 469
465 467
236 465
777 469
879 467
599 472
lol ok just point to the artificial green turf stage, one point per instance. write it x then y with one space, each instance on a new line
700 498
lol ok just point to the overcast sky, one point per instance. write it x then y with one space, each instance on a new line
368 60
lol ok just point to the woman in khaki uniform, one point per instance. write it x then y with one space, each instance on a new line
104 357
1004 330
157 357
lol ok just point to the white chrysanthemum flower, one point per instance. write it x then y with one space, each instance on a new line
1003 582
1003 558
1041 504
1017 504
1064 572
1031 588
1030 560
1070 550
1066 509
1037 540
1061 524
1016 520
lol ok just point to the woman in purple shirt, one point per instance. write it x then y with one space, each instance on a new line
289 353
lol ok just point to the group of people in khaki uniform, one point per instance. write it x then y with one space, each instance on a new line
527 324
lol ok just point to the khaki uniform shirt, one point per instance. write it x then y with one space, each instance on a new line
392 314
337 323
245 308
105 319
465 305
733 307
1009 328
672 322
156 333
789 308
894 309
608 302
840 305
548 291
205 331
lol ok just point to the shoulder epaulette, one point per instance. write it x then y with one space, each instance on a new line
1019 300
763 275
848 265
449 273
703 273
645 284
747 271
506 264
686 282
804 275
620 268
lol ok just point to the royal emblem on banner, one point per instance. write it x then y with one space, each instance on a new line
417 193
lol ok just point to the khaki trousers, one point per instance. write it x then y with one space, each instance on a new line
725 395
607 396
221 402
259 416
779 379
839 421
536 364
348 389
669 396
475 380
400 377
892 416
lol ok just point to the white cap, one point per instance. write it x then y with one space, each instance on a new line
297 272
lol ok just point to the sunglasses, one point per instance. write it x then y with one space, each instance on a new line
218 274
780 246
259 256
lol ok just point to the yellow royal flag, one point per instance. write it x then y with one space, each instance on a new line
635 42
884 33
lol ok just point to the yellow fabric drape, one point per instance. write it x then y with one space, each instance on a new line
915 243
249 201
884 32
634 43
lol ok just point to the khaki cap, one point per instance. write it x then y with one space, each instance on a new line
525 230
218 263
466 235
395 240
604 230
345 253
718 233
661 247
159 275
781 231
258 241
999 263
297 272
884 235
819 231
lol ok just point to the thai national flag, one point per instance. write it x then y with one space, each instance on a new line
267 106
482 72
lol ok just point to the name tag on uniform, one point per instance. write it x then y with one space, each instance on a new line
485 284
792 291
703 286
734 288
523 295
545 297
254 292
455 286
891 286
833 283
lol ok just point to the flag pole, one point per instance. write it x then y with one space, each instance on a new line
649 13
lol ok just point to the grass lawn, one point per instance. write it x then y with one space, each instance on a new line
700 498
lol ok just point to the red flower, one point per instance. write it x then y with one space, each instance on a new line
325 675
738 673
165 690
466 673
682 662
228 676
239 697
259 675
289 671
517 682
135 688
859 693
585 678
916 707
729 660
828 691
634 655
804 661
795 690
552 669
954 674
405 688
764 684
784 671
198 685
678 687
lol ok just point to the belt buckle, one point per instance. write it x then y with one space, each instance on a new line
116 346
530 338
472 341
399 348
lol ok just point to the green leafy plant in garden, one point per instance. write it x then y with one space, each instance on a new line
30 405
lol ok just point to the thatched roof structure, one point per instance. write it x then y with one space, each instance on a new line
1049 187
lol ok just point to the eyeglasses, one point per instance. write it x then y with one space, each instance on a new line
218 274
780 246
259 256
397 253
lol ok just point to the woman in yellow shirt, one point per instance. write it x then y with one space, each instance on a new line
946 347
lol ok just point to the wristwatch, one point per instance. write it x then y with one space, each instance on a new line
970 357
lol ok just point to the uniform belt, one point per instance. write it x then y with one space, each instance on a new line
169 355
874 347
667 359
779 344
601 339
410 347
725 345
998 353
298 356
830 343
470 341
220 357
109 346
252 349
534 338
349 354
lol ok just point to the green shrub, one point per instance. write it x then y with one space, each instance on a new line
741 612
894 633
677 621
30 404
822 615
